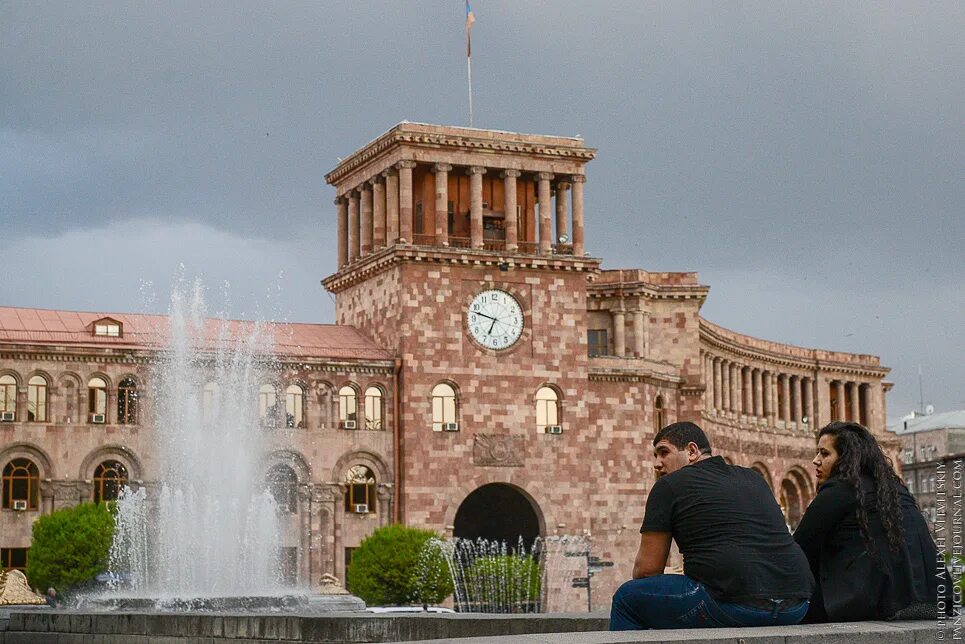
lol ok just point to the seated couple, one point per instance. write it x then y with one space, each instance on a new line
861 552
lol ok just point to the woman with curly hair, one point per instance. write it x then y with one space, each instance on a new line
864 536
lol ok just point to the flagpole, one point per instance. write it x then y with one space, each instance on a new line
470 18
469 76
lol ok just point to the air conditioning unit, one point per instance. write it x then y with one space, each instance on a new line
8 416
349 424
98 419
20 505
360 508
450 427
554 429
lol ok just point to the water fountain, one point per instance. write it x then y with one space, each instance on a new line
491 576
207 535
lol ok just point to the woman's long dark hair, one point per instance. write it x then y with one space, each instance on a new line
860 455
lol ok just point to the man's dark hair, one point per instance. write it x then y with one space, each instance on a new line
680 434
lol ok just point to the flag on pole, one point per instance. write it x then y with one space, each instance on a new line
470 18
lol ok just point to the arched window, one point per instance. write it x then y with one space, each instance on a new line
127 402
443 407
109 478
348 407
659 414
97 399
547 409
8 397
294 406
360 490
267 405
37 399
373 408
210 401
283 487
21 485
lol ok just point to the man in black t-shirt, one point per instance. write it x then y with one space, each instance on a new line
742 567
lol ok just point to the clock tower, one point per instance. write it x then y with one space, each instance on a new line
462 252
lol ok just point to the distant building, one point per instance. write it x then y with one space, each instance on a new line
486 376
926 441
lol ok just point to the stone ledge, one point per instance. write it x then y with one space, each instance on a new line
911 632
75 627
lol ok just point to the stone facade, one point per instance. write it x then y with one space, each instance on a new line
428 217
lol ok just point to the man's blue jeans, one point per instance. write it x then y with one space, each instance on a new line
677 601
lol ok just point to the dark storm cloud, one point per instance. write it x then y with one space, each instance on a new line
806 159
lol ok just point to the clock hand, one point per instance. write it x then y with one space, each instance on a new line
490 332
485 316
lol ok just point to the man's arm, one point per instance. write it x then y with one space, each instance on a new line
653 553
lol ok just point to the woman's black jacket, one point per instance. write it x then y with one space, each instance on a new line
852 585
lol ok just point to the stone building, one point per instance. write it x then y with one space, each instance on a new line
519 383
926 441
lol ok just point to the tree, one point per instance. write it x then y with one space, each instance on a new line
398 565
70 546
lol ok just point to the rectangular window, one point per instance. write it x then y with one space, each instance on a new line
13 558
348 562
288 560
107 329
596 340
417 227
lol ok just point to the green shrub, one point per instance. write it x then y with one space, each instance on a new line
70 546
394 566
503 584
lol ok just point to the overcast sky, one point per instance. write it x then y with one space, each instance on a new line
807 160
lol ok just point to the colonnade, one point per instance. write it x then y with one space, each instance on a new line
742 390
638 345
379 212
850 401
734 388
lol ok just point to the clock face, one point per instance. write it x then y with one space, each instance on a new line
495 319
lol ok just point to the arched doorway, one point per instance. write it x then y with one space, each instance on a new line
498 511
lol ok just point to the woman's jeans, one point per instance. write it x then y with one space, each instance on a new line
677 601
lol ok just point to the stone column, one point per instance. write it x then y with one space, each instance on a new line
562 212
842 412
717 384
737 396
378 212
708 382
748 391
725 385
475 206
578 181
353 225
545 214
638 345
758 393
342 231
796 398
391 206
619 332
807 386
767 395
855 402
366 214
509 188
405 200
786 402
442 203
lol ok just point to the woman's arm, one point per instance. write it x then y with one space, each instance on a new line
834 501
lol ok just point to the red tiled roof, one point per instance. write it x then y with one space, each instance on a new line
41 326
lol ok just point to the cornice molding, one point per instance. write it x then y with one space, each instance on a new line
461 142
399 254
